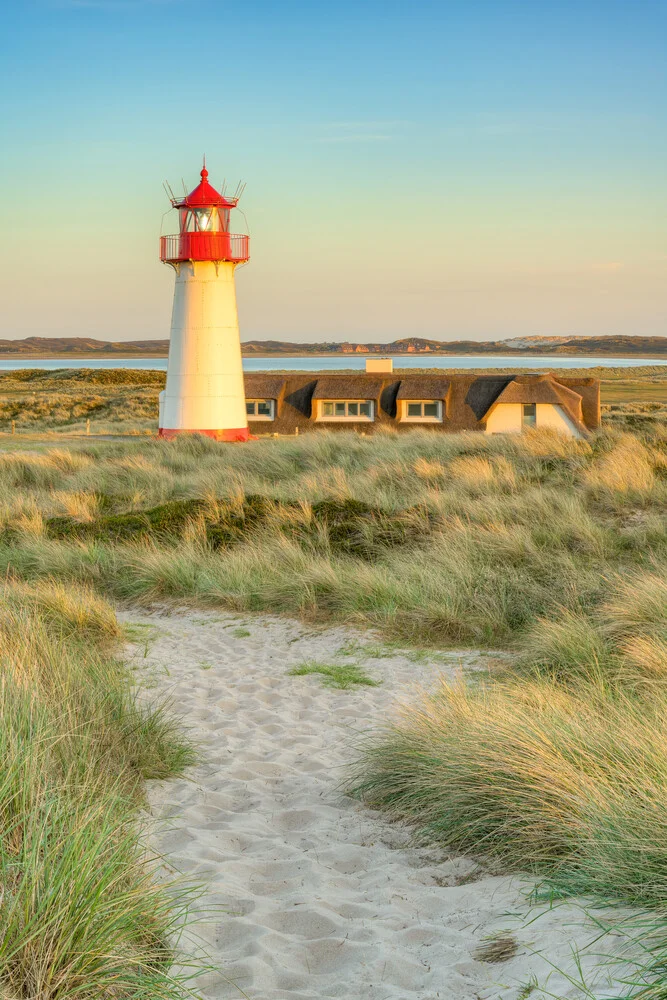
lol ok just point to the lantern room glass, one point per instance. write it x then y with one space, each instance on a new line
208 219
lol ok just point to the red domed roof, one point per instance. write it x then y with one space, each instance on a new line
205 194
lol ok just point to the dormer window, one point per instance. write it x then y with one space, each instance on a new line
347 409
422 411
260 409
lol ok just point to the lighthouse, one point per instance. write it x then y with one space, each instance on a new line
204 392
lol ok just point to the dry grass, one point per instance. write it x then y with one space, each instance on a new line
496 534
499 948
627 467
114 400
556 549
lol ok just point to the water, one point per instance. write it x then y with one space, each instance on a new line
354 361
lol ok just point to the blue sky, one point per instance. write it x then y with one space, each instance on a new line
455 169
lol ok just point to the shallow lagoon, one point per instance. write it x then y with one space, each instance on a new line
350 361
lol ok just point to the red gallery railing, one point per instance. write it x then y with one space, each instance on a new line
205 246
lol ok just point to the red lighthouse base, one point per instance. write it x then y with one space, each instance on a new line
233 434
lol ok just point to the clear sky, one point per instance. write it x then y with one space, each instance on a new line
459 168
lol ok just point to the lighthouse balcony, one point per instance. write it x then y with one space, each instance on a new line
205 246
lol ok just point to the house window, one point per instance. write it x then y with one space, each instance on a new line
360 409
260 409
423 410
529 414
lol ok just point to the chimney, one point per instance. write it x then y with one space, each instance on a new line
384 366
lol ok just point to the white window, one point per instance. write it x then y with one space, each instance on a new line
422 410
358 409
260 409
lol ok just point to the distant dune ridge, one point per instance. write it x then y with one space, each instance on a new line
49 346
515 345
81 345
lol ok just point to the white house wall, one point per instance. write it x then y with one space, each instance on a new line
555 417
507 418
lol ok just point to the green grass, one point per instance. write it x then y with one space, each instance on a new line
433 540
555 550
138 632
335 675
83 913
527 989
568 785
556 766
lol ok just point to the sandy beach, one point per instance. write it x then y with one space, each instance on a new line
308 894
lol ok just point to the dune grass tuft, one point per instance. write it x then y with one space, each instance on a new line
83 913
568 785
337 675
499 948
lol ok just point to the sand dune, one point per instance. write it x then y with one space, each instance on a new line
322 897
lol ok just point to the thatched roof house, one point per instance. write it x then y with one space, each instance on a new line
291 401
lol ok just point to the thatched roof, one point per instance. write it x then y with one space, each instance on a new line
348 387
540 388
260 385
468 398
484 391
536 391
423 387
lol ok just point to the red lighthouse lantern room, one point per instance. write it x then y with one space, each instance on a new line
204 228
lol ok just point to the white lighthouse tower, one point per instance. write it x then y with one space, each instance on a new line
204 392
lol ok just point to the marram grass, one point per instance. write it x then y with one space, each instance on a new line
564 784
82 912
552 548
440 539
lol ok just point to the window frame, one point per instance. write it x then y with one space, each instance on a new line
404 417
261 416
357 418
529 420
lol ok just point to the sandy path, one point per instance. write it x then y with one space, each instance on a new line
324 898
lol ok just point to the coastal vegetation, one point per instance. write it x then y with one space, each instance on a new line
82 913
431 538
336 675
553 550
